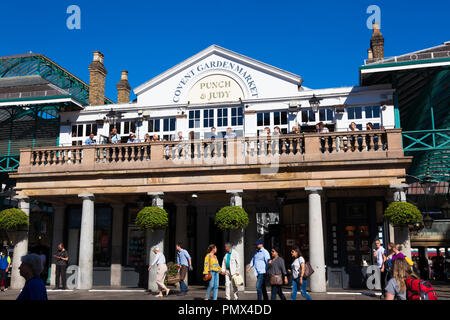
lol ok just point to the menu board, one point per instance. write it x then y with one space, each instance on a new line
136 247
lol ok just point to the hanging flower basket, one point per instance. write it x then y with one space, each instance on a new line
233 217
152 218
13 219
402 214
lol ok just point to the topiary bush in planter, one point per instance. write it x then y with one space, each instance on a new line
152 218
233 217
402 213
13 219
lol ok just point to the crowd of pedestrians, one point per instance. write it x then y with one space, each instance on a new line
399 275
265 265
399 279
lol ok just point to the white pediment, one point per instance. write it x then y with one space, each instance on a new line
217 75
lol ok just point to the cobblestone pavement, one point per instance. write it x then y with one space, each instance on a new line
198 292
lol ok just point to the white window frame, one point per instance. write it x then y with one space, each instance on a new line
271 125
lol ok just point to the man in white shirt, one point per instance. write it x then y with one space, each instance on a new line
380 254
160 262
230 268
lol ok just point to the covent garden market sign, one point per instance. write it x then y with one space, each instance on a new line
215 87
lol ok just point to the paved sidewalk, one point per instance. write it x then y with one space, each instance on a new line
198 293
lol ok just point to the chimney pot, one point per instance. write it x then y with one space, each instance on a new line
97 76
123 88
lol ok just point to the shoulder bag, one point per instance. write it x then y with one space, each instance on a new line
208 276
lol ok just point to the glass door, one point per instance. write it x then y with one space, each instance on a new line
357 245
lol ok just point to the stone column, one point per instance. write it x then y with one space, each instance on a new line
155 238
86 256
116 254
58 229
251 235
20 239
401 234
316 245
181 229
237 236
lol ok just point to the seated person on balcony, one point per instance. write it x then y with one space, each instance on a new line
132 138
352 128
263 141
179 146
155 138
369 126
147 139
229 135
211 144
296 131
277 143
90 140
114 137
320 128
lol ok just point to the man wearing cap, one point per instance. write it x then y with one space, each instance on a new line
259 263
161 271
132 138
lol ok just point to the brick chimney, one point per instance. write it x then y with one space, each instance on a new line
376 44
97 76
123 88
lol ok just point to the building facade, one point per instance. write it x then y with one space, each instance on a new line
322 191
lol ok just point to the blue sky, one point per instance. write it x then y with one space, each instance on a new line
322 41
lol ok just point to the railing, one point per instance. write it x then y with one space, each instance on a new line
425 140
305 147
410 57
9 163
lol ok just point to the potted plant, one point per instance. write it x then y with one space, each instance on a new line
173 275
154 219
151 218
402 215
13 219
231 217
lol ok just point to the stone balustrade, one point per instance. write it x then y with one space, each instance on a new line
306 147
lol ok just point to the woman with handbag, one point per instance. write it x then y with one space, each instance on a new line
298 273
277 272
211 272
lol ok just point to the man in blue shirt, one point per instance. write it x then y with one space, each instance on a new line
90 140
184 261
114 137
30 269
259 263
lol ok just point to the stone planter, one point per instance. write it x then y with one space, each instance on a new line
237 242
402 236
20 241
155 239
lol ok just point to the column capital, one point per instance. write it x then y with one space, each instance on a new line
237 191
313 189
86 196
22 198
155 194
